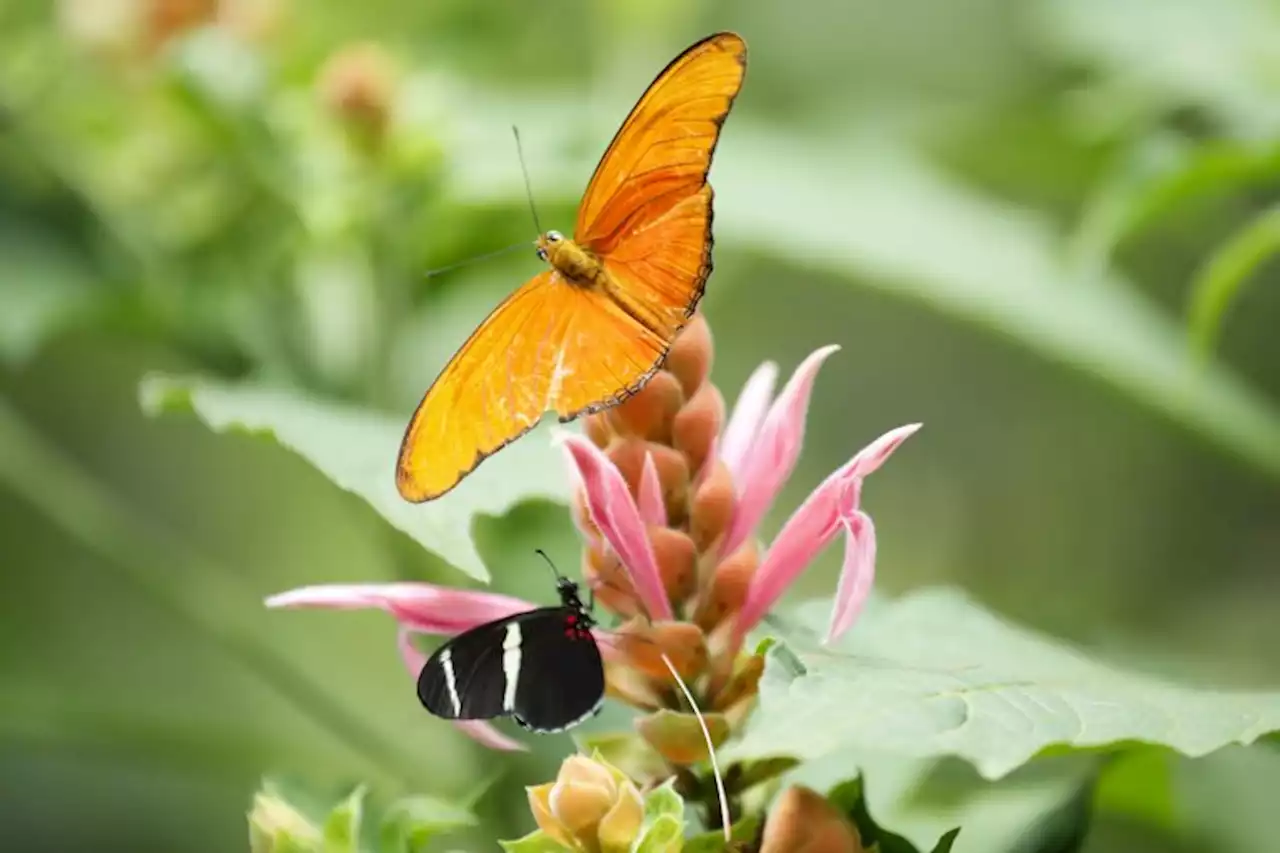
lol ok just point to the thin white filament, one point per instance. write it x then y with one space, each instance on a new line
711 749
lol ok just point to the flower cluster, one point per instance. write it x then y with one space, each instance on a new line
669 493
592 807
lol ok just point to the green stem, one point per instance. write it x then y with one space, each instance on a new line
150 555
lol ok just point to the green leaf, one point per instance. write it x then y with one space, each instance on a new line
663 801
409 823
747 774
1162 172
357 450
626 751
342 827
664 835
743 833
947 841
1224 274
43 291
1139 785
535 842
850 799
974 686
922 800
1213 55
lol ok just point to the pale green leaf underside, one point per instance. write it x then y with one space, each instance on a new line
357 449
953 679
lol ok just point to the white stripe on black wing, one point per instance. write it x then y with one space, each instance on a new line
561 676
464 679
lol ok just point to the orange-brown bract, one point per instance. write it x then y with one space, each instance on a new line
591 330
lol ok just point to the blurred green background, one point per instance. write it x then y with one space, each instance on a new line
1040 227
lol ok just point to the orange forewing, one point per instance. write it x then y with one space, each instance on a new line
663 150
646 215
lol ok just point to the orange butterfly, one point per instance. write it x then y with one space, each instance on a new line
592 329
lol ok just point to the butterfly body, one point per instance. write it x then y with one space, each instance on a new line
576 266
612 300
541 667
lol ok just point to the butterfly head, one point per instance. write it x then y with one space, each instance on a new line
574 263
548 245
569 596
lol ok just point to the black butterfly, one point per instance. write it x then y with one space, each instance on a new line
541 667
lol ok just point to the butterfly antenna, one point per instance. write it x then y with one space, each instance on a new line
711 749
528 187
554 571
523 244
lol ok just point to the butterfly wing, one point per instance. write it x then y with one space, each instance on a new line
465 679
561 677
494 390
662 153
647 215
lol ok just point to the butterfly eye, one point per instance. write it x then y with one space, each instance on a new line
554 236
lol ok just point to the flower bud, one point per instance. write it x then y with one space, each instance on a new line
583 792
725 594
169 18
357 85
677 562
628 455
691 354
712 508
590 806
540 805
621 824
678 737
625 684
673 473
643 645
609 581
649 413
596 428
802 821
696 426
276 825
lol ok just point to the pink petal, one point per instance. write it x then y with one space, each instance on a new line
874 454
812 527
856 575
653 510
483 733
809 529
614 511
775 451
425 607
748 412
478 730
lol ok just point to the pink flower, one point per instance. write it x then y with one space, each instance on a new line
829 509
759 446
419 608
